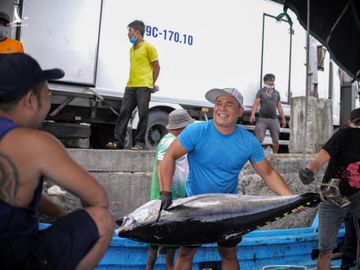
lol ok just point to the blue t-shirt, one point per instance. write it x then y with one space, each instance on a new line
215 160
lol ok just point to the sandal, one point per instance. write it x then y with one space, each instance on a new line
111 145
138 147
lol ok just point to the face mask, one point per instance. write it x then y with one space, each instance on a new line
267 86
133 40
4 31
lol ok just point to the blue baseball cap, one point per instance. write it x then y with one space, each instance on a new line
19 73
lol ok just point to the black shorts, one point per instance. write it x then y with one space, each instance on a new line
230 243
65 243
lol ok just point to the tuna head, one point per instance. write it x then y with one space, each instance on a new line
142 216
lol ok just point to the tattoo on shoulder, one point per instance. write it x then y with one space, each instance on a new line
9 179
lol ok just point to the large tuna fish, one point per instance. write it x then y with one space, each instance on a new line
207 218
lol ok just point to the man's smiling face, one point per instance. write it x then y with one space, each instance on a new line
227 110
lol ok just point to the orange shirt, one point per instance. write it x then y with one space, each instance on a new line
11 46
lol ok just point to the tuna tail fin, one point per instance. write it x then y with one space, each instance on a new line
119 221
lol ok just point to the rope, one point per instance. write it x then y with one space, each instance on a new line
337 21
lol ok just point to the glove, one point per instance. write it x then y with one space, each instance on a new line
306 176
166 199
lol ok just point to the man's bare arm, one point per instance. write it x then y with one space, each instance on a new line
55 163
167 166
319 161
254 109
158 172
272 179
282 115
156 70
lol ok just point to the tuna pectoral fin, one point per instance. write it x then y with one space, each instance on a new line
120 221
171 208
177 207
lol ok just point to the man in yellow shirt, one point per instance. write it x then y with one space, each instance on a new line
8 45
144 70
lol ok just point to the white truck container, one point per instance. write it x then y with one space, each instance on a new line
201 44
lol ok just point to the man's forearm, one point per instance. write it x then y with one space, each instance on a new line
277 184
319 161
254 109
99 199
166 169
282 115
158 173
272 179
281 112
156 71
156 74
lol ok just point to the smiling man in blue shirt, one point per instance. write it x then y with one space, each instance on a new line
217 151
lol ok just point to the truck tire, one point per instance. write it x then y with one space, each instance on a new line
67 130
156 128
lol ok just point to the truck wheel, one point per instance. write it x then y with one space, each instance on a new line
67 130
156 128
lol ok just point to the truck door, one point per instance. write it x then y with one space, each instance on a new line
63 34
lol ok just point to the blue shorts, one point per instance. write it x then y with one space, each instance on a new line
331 218
65 243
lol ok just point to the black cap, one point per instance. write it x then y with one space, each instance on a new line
19 73
4 17
355 115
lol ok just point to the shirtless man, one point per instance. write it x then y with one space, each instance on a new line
75 241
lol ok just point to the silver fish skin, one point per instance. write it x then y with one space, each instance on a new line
207 218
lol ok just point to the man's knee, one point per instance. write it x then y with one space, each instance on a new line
260 133
103 219
275 139
260 136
